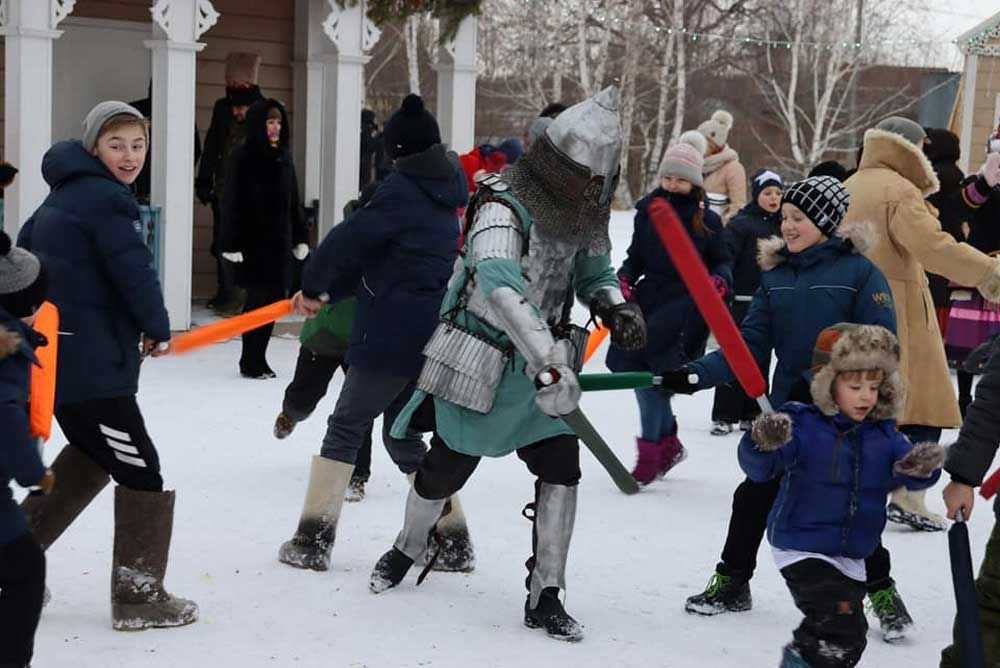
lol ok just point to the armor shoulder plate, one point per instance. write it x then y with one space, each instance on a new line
492 182
496 232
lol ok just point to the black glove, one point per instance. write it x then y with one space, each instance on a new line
203 191
678 382
628 327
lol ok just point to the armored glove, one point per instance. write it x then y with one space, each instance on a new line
628 327
679 381
558 391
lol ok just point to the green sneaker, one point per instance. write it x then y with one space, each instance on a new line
724 593
893 617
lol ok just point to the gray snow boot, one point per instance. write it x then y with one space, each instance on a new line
143 524
78 481
450 543
312 543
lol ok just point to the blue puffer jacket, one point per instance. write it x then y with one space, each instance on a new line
676 333
801 294
100 272
405 240
836 474
19 458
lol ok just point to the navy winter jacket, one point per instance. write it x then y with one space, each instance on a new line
746 228
676 333
835 476
19 458
100 272
405 240
800 295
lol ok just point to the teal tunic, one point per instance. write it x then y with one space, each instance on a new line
515 421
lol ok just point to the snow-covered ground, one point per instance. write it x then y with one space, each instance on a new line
633 560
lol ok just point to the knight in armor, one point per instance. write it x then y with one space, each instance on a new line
501 368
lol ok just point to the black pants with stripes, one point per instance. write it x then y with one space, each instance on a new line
113 434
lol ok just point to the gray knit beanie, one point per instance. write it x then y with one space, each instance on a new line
101 114
910 130
23 281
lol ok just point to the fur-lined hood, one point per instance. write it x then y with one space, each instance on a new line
888 150
862 237
861 348
718 160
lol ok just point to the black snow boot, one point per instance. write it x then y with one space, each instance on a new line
724 593
389 571
550 615
143 524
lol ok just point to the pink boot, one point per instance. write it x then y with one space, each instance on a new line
672 453
650 461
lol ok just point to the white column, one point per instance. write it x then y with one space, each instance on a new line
28 28
351 35
308 85
968 110
456 88
177 25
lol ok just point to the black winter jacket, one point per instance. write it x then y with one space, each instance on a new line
215 143
751 224
406 241
101 275
969 459
262 215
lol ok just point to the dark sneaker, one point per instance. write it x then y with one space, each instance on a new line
258 374
724 593
550 615
893 617
389 571
283 426
355 490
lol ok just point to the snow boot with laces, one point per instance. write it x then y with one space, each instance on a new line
893 617
143 526
672 453
724 593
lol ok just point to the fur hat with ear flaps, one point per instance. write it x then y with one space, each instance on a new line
852 347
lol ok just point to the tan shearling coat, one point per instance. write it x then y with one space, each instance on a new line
725 175
888 191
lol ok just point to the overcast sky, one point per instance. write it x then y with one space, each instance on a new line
947 19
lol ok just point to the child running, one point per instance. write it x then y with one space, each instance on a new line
838 458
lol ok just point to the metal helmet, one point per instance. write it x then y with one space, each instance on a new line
590 133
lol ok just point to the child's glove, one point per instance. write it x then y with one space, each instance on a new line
48 482
720 285
628 292
772 431
922 461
